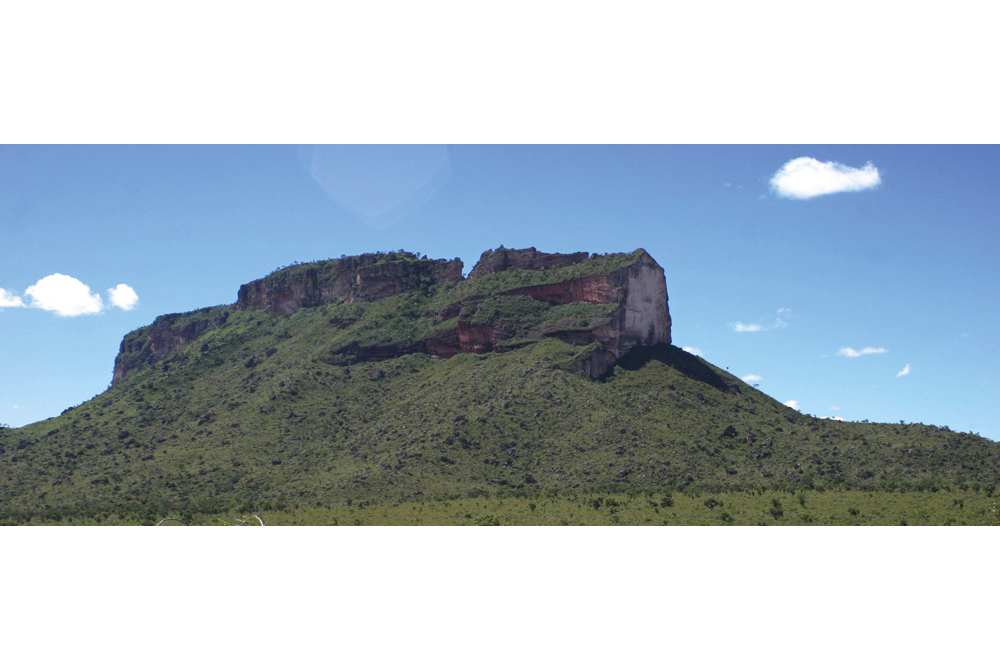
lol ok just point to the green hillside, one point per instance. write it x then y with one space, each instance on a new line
272 413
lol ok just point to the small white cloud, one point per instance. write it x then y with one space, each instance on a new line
8 300
905 371
851 352
751 378
806 177
794 405
779 323
64 295
123 297
833 407
692 350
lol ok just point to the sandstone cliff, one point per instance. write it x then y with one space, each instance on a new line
168 333
501 259
362 278
636 294
606 304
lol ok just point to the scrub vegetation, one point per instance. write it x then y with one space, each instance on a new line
272 415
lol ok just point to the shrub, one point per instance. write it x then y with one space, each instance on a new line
487 520
712 503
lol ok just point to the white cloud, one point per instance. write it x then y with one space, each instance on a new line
123 297
64 295
905 371
692 350
806 177
793 404
833 407
779 323
851 352
751 378
8 300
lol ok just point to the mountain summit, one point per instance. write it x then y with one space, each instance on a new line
606 304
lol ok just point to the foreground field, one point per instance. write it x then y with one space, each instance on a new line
755 508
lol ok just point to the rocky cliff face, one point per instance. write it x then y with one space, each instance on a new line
501 259
628 293
638 292
362 278
168 333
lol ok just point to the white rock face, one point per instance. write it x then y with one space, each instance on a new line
646 314
644 317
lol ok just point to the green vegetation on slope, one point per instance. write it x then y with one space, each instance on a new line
408 319
276 413
255 415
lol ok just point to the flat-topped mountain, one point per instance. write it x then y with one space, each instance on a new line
607 304
388 377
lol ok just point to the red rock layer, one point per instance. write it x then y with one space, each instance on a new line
638 292
162 338
586 289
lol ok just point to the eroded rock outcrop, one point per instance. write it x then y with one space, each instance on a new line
501 259
637 293
625 295
168 333
362 278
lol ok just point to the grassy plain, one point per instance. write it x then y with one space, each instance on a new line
753 508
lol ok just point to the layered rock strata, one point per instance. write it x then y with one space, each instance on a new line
632 287
639 316
501 259
168 333
362 278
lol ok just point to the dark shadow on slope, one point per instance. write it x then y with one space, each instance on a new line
683 362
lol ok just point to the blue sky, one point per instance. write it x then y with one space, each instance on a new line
826 298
